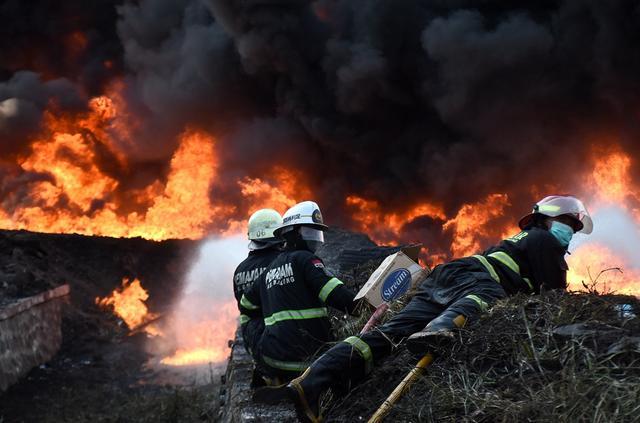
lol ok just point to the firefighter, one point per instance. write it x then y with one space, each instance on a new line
293 294
528 262
264 247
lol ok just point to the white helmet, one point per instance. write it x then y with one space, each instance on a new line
306 213
556 205
308 218
262 224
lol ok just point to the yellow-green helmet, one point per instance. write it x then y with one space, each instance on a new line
262 224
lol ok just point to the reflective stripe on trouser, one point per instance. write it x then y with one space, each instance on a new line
481 303
289 366
363 349
340 368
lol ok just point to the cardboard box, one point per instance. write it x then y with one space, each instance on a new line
394 277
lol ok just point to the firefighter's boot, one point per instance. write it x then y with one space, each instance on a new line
257 379
299 392
437 335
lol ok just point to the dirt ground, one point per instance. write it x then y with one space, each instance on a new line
556 357
101 373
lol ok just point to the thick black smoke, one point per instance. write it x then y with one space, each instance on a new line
73 39
394 101
444 100
23 99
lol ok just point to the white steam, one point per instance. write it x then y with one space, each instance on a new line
205 318
615 228
212 273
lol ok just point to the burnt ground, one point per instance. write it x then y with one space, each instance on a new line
555 357
100 373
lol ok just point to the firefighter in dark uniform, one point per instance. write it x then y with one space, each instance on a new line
293 294
528 262
264 247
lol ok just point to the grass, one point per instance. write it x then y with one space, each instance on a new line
514 365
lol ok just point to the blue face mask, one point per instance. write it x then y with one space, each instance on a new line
562 232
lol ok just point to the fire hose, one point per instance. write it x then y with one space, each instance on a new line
408 380
375 317
402 387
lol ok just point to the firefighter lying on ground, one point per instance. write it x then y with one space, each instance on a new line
453 293
264 247
292 296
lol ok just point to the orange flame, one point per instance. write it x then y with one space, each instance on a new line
611 176
75 195
128 303
594 262
472 224
78 197
598 267
195 356
386 227
284 189
203 341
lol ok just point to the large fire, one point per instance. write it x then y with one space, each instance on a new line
606 267
386 227
73 192
73 195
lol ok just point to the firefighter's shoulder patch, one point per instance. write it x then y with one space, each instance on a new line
317 263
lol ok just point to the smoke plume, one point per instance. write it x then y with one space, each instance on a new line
395 102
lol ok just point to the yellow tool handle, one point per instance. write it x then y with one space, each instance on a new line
402 387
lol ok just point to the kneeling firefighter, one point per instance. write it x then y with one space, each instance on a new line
264 247
452 294
293 294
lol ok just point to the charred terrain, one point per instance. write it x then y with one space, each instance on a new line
103 371
555 357
100 373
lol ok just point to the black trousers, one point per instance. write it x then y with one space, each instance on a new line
462 287
251 334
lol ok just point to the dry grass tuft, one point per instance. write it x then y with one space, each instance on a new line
554 357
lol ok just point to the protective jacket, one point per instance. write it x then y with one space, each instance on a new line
293 294
527 262
250 270
246 274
